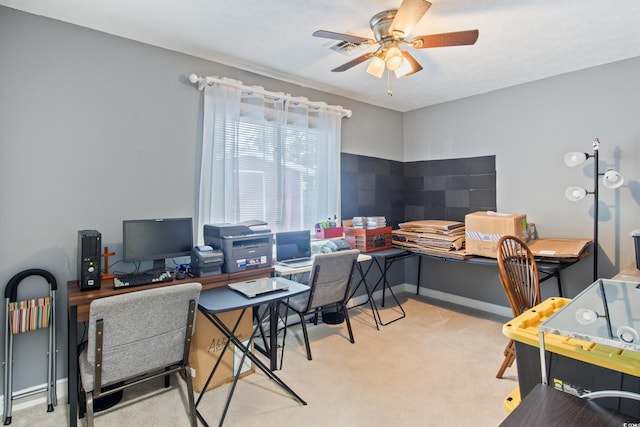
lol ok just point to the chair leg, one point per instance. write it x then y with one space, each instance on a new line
89 414
509 357
82 403
346 318
306 335
192 405
167 379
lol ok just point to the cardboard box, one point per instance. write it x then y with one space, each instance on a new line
558 248
369 239
207 344
484 229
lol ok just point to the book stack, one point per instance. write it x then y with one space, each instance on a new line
431 237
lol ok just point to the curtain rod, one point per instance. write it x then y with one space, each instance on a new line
210 81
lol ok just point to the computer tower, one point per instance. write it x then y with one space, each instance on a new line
89 247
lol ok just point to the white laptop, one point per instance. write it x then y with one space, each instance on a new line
253 288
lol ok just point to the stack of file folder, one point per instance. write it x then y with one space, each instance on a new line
431 236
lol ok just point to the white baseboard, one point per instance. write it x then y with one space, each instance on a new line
463 301
38 398
440 296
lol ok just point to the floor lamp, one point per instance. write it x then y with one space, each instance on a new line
610 179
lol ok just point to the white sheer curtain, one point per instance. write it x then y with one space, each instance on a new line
267 158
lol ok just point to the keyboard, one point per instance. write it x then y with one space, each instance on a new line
139 279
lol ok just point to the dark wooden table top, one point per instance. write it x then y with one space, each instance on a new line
545 406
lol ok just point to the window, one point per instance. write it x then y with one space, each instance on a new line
268 159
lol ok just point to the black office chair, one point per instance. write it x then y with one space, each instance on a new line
330 283
138 336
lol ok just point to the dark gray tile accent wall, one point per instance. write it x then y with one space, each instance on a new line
409 191
372 187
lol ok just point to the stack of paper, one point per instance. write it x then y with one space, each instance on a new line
369 222
376 222
439 235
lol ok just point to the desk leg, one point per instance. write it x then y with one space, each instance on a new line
270 349
363 280
222 352
72 365
264 368
557 277
232 338
419 275
559 284
273 336
385 284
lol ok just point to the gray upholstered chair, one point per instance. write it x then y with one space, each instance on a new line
138 336
330 283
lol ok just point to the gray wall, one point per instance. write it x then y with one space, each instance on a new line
528 128
95 129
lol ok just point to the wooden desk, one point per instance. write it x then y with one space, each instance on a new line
545 406
78 311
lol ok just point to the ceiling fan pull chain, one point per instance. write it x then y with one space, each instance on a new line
389 91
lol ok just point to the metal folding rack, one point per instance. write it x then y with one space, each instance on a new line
24 316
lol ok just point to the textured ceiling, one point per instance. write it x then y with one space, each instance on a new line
520 41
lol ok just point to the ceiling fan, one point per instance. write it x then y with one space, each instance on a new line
391 29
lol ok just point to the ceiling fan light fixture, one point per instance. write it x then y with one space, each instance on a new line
410 66
376 67
393 58
403 70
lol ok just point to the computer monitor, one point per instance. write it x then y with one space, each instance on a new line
156 240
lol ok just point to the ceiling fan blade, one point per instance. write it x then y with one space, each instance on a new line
408 15
353 62
458 38
413 65
340 36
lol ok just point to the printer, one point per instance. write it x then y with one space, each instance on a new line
206 261
244 246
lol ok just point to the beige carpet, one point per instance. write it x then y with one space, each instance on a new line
435 367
